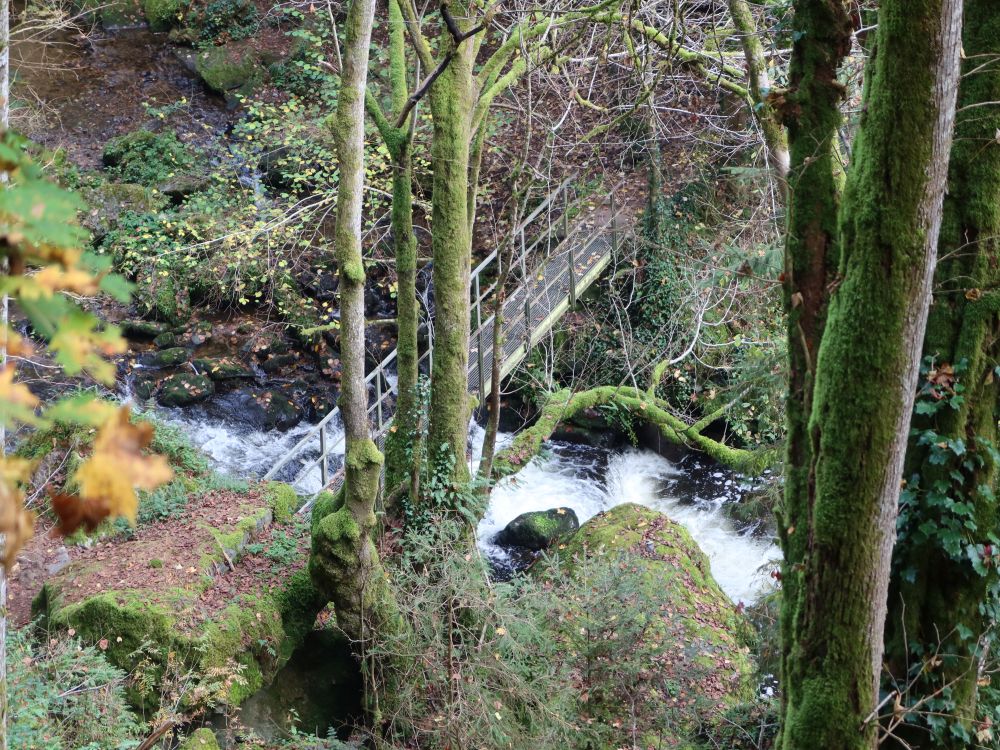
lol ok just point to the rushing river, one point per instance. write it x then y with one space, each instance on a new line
589 480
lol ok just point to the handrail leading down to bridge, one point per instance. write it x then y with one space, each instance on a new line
557 261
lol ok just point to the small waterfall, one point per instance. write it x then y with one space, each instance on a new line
589 480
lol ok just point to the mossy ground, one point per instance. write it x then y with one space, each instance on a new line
203 588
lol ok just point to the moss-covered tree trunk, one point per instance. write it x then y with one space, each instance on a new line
823 38
943 596
866 373
401 443
345 564
453 98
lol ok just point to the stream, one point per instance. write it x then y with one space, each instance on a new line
692 491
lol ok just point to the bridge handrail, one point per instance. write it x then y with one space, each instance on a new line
380 424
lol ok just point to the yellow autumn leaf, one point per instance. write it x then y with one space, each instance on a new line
16 524
17 403
118 466
55 279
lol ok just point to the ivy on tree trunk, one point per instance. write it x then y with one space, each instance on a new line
943 598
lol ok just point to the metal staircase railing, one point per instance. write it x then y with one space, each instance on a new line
557 262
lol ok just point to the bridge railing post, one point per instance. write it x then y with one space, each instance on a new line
481 358
614 223
571 259
378 397
322 457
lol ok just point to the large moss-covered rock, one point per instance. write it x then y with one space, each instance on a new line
659 616
201 739
185 389
228 69
223 368
162 15
538 529
175 355
187 594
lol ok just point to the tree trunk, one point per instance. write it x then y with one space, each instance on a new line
940 594
452 101
345 563
823 38
402 442
866 373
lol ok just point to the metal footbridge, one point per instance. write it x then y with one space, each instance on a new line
559 250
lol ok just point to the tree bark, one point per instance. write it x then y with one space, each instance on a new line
823 37
453 98
402 443
866 373
345 563
940 596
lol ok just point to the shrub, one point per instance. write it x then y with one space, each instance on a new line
147 158
65 696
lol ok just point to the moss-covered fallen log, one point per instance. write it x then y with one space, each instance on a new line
564 405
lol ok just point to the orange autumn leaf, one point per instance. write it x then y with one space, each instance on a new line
16 401
118 466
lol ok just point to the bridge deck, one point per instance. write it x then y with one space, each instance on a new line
544 281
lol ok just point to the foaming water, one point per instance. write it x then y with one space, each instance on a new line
591 480
238 450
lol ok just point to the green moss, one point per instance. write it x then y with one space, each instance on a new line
162 15
282 500
184 389
201 739
299 602
674 575
326 503
226 71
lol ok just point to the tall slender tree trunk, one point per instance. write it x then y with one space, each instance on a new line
866 373
940 598
402 444
345 562
453 98
4 320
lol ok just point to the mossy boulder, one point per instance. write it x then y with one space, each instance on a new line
162 15
184 389
538 529
142 330
201 739
165 340
171 357
685 640
186 594
223 368
228 69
